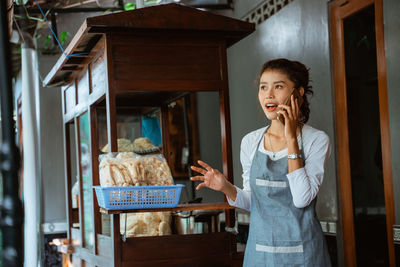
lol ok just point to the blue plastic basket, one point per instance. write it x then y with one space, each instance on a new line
138 197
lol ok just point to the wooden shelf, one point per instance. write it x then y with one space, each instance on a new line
181 207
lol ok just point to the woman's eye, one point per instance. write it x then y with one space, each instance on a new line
263 87
278 86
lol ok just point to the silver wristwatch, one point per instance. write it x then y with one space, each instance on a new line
294 156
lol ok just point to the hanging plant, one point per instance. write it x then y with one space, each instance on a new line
47 46
21 2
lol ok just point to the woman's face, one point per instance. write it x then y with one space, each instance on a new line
274 88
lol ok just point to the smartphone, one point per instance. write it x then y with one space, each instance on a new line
297 96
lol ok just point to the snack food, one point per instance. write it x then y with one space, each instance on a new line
129 169
142 143
146 224
124 145
125 155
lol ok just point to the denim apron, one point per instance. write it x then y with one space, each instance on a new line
281 234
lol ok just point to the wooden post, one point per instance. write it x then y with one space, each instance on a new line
94 149
116 239
67 171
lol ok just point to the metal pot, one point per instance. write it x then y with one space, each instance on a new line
196 222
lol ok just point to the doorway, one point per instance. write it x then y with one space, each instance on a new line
362 133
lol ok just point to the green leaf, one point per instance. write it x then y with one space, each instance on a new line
47 41
63 37
129 6
37 36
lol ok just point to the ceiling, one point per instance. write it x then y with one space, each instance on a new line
27 15
25 18
62 5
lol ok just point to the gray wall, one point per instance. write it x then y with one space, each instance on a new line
52 155
391 9
299 32
210 146
210 139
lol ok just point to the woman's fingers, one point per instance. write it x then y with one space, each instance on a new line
205 165
284 114
210 177
197 178
293 106
201 186
199 170
286 109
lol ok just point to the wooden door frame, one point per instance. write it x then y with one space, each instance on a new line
339 10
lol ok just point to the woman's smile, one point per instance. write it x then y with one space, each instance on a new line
271 107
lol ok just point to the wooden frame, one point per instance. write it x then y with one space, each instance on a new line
189 104
226 136
95 172
339 10
67 175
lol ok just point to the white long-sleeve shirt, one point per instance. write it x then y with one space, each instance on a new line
304 183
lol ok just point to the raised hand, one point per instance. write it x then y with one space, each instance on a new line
211 178
291 114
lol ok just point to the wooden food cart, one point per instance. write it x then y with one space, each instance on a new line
127 64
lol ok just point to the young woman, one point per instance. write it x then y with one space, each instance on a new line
283 168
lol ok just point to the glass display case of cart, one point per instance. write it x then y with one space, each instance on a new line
139 130
184 130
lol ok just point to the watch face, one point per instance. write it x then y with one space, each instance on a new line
293 156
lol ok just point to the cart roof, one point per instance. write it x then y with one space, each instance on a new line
162 18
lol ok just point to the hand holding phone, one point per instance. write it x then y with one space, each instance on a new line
287 102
